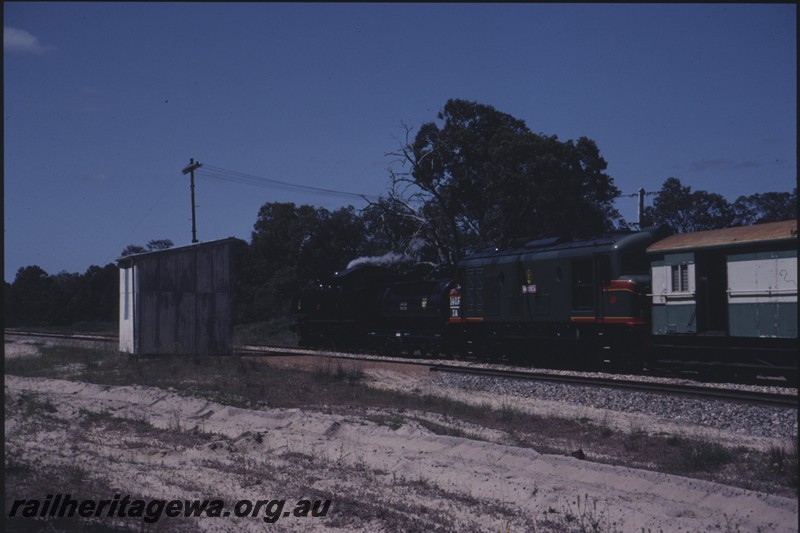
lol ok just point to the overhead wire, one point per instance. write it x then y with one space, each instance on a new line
170 185
223 174
215 172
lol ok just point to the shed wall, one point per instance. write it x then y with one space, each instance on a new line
181 303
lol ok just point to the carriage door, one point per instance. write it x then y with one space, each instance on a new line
712 295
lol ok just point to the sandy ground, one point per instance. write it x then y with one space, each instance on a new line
404 378
368 468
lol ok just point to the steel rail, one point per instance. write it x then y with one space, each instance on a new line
64 336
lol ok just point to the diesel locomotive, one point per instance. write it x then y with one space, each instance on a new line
724 300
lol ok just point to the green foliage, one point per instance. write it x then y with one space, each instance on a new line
132 249
152 246
290 246
159 244
483 179
684 210
38 299
766 207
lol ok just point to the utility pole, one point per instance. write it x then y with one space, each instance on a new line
190 170
641 206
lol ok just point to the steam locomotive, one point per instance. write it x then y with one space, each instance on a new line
722 300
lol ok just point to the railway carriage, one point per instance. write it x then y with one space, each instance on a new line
727 298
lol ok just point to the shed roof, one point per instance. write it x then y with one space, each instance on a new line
127 260
773 231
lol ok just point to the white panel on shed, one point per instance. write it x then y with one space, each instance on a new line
126 309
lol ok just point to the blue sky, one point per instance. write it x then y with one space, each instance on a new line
105 103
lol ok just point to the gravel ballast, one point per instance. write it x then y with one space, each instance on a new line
735 417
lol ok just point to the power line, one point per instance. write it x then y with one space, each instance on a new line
223 174
167 189
214 172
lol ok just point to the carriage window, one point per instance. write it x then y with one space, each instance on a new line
680 278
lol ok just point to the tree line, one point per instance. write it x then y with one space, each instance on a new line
475 178
36 298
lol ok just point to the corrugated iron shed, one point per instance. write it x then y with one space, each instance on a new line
759 233
178 301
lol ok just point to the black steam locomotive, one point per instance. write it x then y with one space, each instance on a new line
583 303
378 308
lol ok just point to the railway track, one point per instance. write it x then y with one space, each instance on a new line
696 390
773 399
774 396
33 334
